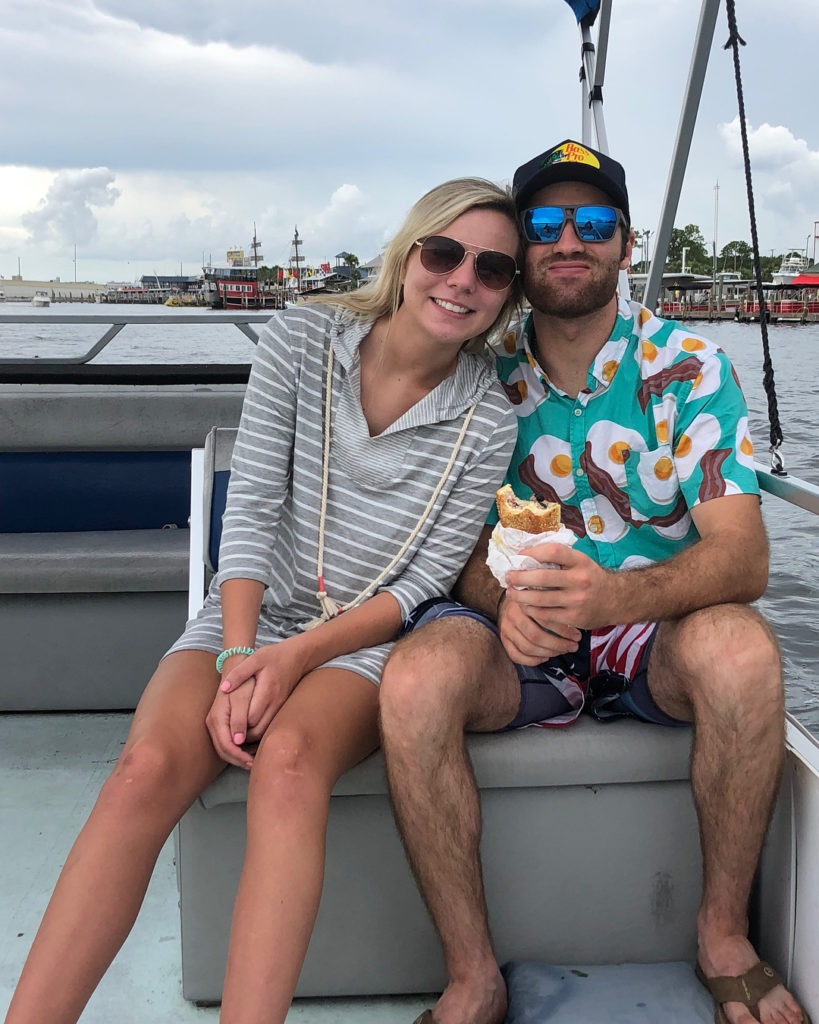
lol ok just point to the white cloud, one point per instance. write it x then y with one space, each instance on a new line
338 117
65 216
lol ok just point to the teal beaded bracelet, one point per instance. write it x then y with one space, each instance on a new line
223 657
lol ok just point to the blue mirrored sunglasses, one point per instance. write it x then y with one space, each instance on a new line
591 223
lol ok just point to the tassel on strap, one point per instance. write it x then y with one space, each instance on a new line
329 608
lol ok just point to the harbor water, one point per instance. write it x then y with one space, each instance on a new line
790 601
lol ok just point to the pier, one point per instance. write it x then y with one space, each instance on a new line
796 311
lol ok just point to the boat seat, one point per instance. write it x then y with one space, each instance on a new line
94 538
582 825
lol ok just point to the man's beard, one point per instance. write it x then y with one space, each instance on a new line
568 299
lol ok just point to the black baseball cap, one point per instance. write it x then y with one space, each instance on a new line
571 161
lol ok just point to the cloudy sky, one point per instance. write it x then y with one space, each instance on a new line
148 134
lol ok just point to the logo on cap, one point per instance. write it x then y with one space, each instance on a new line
571 153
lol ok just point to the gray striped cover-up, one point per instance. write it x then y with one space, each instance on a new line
378 486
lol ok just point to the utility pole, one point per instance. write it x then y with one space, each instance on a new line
716 225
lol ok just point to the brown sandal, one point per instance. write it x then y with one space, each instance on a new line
747 988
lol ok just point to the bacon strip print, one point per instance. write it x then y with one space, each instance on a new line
687 369
602 482
512 393
713 482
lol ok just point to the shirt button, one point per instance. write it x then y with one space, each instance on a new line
578 412
579 472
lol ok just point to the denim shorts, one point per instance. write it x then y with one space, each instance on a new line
606 676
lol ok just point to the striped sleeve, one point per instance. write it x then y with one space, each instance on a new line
260 470
445 549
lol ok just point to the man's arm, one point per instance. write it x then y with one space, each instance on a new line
476 586
728 564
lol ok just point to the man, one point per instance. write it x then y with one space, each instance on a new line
639 430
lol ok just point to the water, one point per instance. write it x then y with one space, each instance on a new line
791 596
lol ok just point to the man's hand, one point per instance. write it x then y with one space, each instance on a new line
578 592
524 638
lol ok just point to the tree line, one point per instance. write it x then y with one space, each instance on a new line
734 257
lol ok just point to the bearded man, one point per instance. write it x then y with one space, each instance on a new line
639 429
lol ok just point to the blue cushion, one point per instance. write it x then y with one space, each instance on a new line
218 501
47 492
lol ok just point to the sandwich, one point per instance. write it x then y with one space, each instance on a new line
530 516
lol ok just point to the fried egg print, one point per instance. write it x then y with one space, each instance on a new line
658 475
611 447
701 435
553 464
744 445
602 521
707 381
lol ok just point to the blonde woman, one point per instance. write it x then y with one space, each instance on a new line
371 441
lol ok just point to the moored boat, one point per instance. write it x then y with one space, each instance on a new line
792 265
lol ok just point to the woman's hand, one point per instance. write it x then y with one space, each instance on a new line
252 691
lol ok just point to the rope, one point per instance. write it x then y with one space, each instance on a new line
329 607
735 40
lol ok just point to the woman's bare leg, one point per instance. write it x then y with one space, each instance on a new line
328 724
167 760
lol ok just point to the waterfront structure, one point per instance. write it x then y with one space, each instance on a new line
19 289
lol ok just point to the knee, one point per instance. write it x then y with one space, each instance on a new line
144 777
287 771
732 659
423 681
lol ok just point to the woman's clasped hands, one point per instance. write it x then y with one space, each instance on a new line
252 690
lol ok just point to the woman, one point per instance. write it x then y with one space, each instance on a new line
368 451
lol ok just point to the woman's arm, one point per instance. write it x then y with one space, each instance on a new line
255 687
437 564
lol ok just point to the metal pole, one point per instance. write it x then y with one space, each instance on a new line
682 146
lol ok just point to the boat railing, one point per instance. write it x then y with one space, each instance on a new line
116 321
789 488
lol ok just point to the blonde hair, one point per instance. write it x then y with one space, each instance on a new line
434 212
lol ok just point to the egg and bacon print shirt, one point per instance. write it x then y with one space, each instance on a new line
661 426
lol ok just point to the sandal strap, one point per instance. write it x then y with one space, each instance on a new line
747 988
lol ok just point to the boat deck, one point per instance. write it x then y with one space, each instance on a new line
51 768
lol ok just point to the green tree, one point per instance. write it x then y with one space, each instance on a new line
697 259
269 275
352 261
737 257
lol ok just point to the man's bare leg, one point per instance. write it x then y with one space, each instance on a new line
720 668
447 678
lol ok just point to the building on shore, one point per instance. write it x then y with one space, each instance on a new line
18 289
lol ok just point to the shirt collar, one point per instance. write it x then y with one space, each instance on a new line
605 364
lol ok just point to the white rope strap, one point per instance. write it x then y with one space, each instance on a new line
329 607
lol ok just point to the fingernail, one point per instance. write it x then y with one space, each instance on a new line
238 738
225 687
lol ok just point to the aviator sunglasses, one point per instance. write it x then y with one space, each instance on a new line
590 223
442 255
